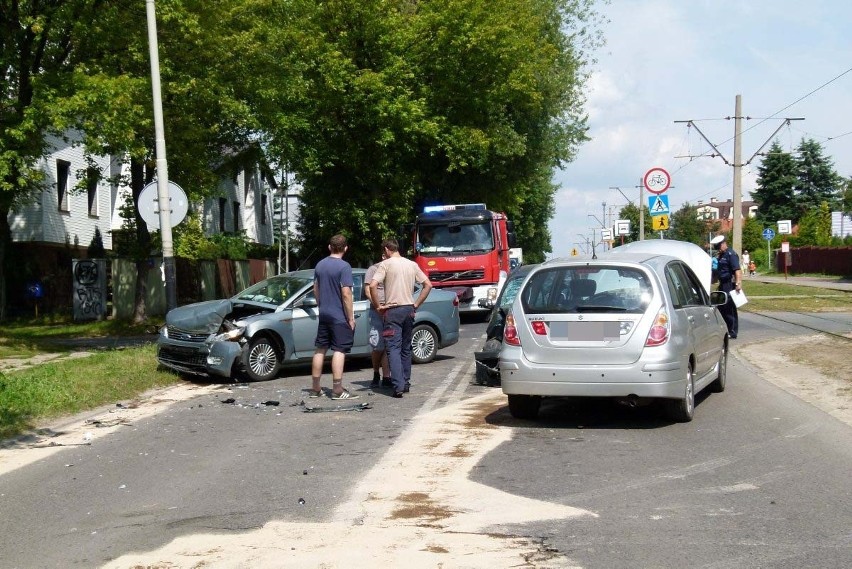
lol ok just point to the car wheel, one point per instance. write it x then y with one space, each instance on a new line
682 410
424 344
262 360
718 385
524 406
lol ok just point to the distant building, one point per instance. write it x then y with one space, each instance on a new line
723 212
841 224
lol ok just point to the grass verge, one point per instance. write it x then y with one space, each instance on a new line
65 387
789 298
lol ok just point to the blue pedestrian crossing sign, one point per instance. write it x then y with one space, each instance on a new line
658 205
768 234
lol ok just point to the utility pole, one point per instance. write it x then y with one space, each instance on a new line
737 164
738 174
162 164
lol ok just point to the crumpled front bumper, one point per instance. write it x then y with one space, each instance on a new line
206 359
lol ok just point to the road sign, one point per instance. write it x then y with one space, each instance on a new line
660 222
784 227
768 234
606 234
658 205
622 227
149 205
657 180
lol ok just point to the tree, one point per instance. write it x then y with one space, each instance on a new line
84 65
817 181
631 213
815 227
686 225
776 182
452 101
753 234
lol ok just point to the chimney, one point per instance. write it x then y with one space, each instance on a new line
712 200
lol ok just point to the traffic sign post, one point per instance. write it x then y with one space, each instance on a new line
768 234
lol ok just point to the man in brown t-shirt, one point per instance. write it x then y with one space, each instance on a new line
399 275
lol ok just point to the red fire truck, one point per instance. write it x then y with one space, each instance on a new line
464 248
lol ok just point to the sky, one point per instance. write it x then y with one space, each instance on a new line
679 60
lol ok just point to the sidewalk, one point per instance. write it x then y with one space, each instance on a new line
827 282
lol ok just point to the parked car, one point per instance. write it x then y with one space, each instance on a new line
487 371
636 324
274 323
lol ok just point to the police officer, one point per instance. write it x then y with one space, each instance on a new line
730 279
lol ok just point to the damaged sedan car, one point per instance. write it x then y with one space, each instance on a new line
274 323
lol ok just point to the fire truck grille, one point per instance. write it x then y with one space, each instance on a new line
450 276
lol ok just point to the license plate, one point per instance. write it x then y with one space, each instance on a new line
585 331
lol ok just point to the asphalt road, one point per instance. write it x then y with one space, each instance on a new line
758 479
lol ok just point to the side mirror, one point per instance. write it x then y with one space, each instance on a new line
512 241
307 302
718 298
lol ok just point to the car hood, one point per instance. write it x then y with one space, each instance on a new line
200 317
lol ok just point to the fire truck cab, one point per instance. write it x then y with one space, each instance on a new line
464 248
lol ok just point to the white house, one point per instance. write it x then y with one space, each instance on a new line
65 215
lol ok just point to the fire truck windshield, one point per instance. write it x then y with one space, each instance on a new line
455 237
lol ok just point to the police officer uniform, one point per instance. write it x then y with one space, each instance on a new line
728 265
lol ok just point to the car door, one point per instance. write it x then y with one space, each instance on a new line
361 306
691 301
304 318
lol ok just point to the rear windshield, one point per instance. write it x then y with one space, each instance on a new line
583 288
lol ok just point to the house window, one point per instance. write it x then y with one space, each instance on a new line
223 203
236 216
247 184
92 178
263 210
63 171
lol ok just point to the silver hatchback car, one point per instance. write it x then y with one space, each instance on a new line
274 323
636 323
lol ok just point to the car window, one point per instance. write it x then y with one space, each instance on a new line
510 291
685 291
586 288
274 290
358 289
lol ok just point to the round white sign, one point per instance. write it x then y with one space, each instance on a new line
149 208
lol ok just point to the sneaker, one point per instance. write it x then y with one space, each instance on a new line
397 394
387 382
314 394
343 395
407 388
375 382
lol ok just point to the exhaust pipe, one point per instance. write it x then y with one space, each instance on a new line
631 401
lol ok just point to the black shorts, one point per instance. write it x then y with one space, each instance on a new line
337 336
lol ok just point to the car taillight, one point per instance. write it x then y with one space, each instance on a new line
456 301
539 328
659 333
510 332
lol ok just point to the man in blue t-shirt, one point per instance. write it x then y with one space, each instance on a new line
336 323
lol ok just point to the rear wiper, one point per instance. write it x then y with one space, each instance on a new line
600 308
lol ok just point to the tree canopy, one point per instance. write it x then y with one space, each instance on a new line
377 106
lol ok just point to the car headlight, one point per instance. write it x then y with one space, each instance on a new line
164 331
230 335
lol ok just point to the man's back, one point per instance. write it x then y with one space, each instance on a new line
399 275
330 275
